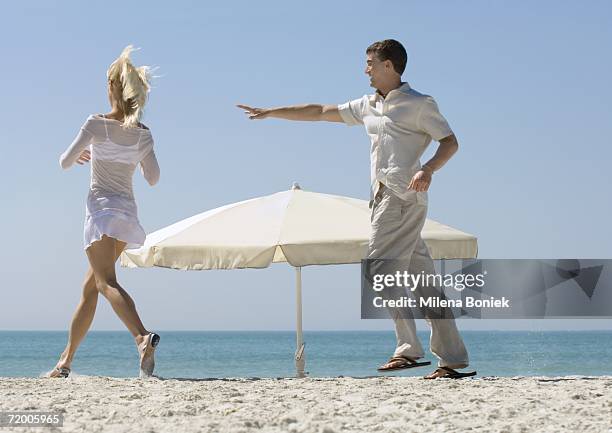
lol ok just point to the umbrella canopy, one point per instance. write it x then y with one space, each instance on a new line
299 227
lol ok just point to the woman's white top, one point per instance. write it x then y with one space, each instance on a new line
115 152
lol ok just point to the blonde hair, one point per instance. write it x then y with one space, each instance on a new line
134 85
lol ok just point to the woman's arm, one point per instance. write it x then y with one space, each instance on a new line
72 154
150 168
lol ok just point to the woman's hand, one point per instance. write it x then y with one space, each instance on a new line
84 157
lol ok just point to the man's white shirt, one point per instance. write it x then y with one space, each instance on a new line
400 128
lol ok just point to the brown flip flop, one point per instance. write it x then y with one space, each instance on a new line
403 364
449 373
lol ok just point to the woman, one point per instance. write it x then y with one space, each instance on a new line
118 143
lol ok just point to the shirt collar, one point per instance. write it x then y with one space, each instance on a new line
404 88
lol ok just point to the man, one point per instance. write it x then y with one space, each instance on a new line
400 122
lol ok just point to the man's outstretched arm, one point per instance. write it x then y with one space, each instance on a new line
307 112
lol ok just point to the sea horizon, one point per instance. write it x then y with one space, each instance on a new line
253 353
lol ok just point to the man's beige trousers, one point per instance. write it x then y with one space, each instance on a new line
396 234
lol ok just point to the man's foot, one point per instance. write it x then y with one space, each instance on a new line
146 349
449 373
401 363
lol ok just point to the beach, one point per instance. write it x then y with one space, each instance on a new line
343 404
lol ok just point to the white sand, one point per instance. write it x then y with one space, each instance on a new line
384 404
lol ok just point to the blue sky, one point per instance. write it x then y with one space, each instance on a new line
524 85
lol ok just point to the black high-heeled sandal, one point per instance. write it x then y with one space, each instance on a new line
62 373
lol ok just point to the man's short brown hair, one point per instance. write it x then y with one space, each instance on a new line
390 49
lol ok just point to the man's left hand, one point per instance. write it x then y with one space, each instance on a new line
420 181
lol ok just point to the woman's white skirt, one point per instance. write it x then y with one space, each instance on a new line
115 216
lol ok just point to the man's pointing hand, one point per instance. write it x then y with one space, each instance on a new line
254 113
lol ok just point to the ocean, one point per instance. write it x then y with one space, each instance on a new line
211 354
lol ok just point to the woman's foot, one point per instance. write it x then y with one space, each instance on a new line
59 372
146 349
62 368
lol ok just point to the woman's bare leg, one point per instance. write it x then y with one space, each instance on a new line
102 259
101 278
83 316
102 263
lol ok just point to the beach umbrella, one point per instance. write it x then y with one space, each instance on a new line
298 227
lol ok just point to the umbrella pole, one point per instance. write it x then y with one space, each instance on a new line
300 359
